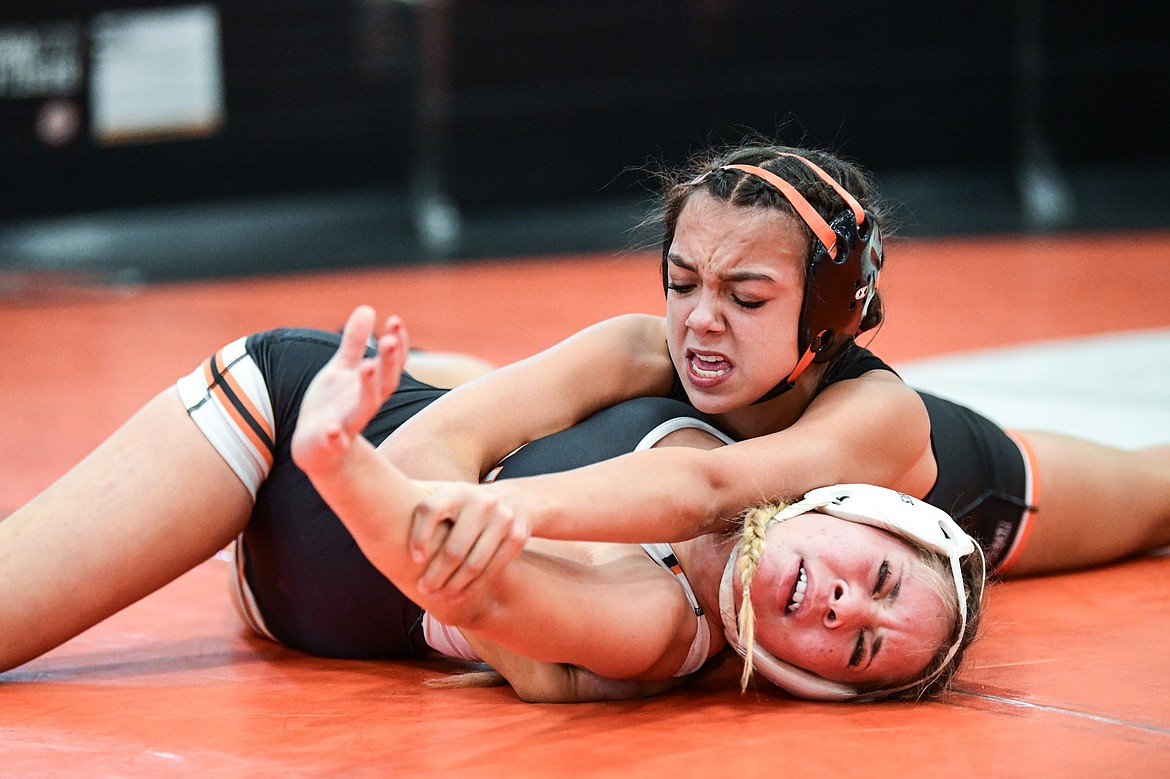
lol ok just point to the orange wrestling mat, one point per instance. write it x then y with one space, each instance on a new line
1071 677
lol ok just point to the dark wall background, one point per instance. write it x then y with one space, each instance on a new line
507 109
311 102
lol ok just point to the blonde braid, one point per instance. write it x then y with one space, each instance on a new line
755 524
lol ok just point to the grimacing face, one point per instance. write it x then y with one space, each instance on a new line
847 601
735 278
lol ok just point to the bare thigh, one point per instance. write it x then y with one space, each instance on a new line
1097 504
154 500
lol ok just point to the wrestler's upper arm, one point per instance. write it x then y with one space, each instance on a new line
872 429
468 431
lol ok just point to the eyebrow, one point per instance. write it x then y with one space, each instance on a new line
735 275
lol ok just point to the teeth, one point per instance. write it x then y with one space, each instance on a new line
704 373
798 595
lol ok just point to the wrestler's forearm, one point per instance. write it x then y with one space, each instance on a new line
374 500
657 496
873 430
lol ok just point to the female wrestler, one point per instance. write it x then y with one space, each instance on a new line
162 494
770 260
853 611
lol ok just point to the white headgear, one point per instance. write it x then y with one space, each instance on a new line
908 518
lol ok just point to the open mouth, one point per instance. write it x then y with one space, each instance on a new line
797 596
708 366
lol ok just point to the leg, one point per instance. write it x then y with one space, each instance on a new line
446 369
1097 504
153 501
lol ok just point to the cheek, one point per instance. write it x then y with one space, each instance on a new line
675 328
768 339
804 648
678 308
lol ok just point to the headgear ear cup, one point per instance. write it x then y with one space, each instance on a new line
842 273
838 289
830 313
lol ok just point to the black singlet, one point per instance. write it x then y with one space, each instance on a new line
315 589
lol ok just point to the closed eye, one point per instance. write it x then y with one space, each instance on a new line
858 650
883 575
748 303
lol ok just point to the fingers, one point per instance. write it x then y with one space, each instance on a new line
370 387
494 549
464 537
470 547
393 350
355 335
394 326
379 375
429 514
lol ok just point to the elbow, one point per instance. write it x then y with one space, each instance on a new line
715 500
561 683
540 694
14 657
538 682
468 616
481 612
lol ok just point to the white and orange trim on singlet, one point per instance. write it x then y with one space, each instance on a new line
1031 501
227 397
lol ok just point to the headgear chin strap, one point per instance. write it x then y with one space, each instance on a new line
908 518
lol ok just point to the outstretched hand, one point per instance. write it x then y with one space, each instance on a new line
348 391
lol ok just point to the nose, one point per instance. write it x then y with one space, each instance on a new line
705 317
847 607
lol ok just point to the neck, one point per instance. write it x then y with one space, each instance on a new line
779 413
703 559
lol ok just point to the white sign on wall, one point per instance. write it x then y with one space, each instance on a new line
156 74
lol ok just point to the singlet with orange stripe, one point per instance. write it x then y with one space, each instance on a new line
227 397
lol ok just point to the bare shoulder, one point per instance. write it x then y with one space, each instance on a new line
636 331
645 336
633 346
878 429
874 393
